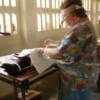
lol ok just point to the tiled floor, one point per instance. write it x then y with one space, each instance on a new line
96 96
48 88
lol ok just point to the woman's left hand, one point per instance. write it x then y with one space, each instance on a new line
46 42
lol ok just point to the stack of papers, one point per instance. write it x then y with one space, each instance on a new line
40 61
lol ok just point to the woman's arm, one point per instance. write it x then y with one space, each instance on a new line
53 53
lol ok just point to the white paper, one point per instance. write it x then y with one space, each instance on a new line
2 71
11 59
25 52
40 61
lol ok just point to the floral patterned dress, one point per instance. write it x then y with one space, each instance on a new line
77 72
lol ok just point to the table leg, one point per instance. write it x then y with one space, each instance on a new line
23 93
15 90
24 88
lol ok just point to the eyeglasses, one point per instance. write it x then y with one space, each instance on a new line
64 18
61 24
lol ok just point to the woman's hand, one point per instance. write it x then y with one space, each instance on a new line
47 42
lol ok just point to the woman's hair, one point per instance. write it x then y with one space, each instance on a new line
66 3
80 12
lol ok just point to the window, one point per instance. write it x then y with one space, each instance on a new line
87 5
93 10
8 17
48 16
98 11
98 17
98 5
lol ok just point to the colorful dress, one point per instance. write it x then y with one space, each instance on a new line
79 48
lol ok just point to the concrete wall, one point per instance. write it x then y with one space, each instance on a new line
27 36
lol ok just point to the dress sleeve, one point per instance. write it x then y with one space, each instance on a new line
70 46
64 44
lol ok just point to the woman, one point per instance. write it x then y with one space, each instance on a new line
79 48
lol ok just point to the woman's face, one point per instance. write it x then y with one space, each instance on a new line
71 20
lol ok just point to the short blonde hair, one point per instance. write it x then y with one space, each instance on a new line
70 9
73 7
67 3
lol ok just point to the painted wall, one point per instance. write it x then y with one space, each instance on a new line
27 36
